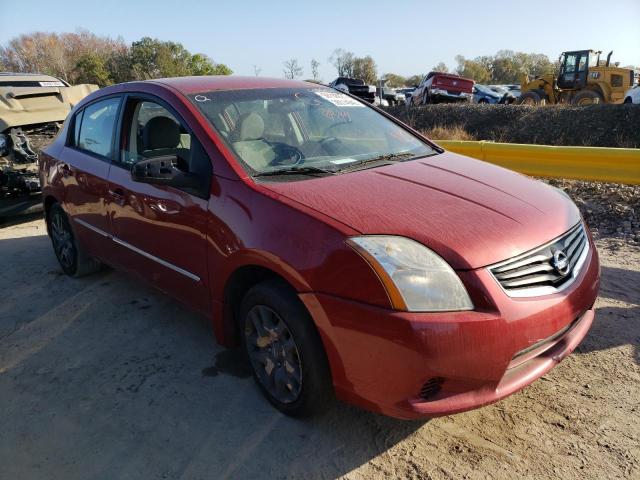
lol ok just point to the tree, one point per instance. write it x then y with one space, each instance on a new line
343 62
256 70
441 67
55 54
85 57
314 69
200 64
392 80
415 80
365 69
506 66
473 69
91 68
292 69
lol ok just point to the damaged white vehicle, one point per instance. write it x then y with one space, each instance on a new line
32 110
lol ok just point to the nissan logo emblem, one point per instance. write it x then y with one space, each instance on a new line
560 262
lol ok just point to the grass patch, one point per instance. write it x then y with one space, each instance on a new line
442 132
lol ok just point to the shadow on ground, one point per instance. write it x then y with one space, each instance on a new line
616 326
102 377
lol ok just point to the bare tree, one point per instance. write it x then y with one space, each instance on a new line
292 69
343 61
314 68
256 70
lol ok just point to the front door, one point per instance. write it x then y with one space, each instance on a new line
574 70
160 231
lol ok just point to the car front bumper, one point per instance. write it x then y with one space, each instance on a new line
413 365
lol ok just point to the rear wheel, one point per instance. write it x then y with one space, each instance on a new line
483 100
285 351
530 98
628 100
73 261
586 97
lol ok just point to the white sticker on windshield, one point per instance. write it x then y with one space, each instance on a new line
51 84
338 99
343 160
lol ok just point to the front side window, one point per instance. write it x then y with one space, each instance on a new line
569 67
153 131
97 127
272 130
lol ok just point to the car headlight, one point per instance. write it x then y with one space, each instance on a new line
416 278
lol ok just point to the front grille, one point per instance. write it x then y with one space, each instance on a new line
547 269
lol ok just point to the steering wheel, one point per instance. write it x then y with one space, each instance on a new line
331 127
286 155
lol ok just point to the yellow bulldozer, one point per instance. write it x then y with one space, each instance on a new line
583 79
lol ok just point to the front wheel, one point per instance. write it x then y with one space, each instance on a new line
285 351
628 100
530 98
586 97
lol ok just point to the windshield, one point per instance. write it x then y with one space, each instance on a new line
274 130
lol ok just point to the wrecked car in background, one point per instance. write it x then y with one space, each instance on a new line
355 86
32 109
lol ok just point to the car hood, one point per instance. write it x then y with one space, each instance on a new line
470 212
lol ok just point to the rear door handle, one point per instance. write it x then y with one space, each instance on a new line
117 195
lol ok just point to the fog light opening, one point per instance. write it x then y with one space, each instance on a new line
431 388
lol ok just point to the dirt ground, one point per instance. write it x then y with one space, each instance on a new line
102 377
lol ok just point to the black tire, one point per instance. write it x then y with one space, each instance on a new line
483 100
271 356
530 98
73 261
586 97
628 100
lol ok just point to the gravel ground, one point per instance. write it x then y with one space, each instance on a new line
611 210
102 377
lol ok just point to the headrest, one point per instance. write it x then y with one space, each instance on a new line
160 132
251 127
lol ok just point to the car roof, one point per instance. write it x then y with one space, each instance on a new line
200 84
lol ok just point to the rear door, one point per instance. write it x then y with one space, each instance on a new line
159 231
84 170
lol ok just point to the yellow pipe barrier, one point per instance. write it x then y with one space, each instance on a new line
616 165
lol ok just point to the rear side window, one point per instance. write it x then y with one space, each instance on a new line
77 121
97 127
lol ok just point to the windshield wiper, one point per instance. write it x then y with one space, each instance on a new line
391 157
302 170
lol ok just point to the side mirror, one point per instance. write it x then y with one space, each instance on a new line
162 171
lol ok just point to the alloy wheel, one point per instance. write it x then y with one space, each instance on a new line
62 240
273 354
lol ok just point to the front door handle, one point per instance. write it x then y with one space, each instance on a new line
117 195
161 207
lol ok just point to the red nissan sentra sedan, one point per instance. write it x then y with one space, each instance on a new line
346 253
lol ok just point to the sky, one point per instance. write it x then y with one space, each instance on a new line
403 36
